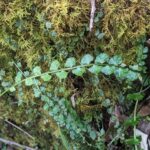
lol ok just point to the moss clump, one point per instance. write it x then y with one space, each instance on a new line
124 23
66 16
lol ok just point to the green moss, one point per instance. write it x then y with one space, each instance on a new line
124 23
37 32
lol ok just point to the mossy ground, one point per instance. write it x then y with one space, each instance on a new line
35 32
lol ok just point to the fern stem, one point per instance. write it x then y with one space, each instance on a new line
64 69
49 72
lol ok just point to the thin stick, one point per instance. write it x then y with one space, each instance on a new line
15 144
93 9
19 129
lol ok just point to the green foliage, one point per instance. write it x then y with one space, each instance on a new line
36 70
62 75
65 117
135 96
65 79
46 77
116 60
29 82
79 71
101 58
86 59
64 141
95 69
70 62
131 122
48 25
99 35
12 89
107 68
93 135
133 141
18 77
54 65
59 108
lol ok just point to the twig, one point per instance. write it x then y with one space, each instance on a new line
19 129
116 137
15 144
144 90
93 9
